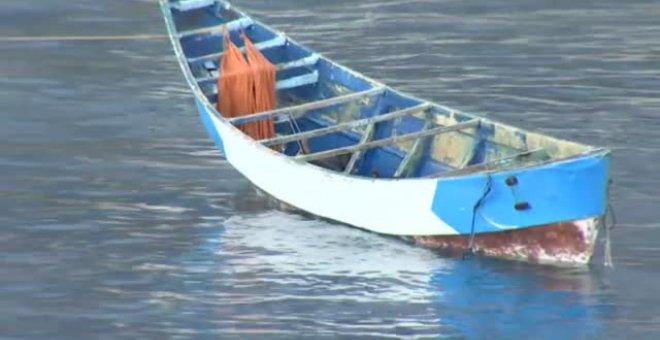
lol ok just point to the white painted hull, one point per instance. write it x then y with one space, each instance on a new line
393 207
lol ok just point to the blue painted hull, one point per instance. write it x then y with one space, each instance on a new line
558 192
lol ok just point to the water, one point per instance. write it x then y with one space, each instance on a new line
119 220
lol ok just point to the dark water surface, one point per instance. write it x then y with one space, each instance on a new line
119 220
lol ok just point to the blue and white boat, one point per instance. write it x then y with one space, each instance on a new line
351 149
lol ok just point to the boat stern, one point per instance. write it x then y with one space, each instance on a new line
564 243
545 214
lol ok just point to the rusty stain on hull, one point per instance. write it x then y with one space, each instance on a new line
560 243
566 243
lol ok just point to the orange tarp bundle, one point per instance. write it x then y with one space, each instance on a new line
247 86
265 81
235 83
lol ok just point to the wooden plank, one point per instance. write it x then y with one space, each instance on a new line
300 110
387 141
305 79
233 25
302 62
210 66
346 126
411 159
275 42
367 136
484 166
311 60
285 84
189 5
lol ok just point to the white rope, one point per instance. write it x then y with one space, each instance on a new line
609 211
608 262
608 249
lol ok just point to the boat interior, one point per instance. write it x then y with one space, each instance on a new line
335 118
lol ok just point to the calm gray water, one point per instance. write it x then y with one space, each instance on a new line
119 220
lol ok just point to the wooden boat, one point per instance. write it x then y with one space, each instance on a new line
390 163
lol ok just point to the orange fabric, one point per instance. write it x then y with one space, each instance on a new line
247 86
235 84
265 82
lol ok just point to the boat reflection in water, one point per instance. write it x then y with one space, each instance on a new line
278 274
490 299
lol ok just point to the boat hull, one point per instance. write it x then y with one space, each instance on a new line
430 207
570 243
566 243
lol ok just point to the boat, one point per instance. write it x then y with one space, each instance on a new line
350 149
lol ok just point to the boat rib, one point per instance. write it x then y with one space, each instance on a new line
233 25
297 111
305 79
388 141
356 155
490 165
274 42
345 126
302 62
189 5
408 162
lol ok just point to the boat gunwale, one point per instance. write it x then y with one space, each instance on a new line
591 151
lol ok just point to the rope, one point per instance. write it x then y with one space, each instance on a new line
46 38
296 129
487 188
608 262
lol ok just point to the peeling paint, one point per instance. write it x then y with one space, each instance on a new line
567 243
504 141
526 140
454 149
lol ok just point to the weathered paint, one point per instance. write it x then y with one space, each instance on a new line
410 162
274 42
188 5
352 124
205 116
301 110
234 25
302 62
504 140
388 141
570 243
454 149
565 191
305 79
527 140
367 135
